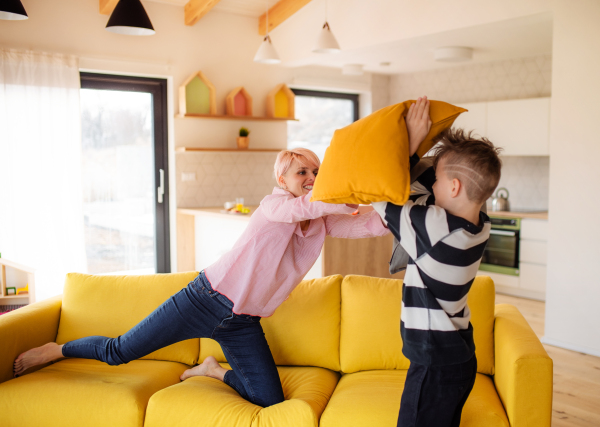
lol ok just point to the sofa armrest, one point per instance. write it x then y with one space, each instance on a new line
523 375
25 328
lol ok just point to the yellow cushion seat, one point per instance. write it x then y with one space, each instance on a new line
372 398
80 392
206 401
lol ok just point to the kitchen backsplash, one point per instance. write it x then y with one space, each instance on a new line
519 78
209 179
526 179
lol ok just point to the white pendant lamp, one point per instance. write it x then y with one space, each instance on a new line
130 18
12 10
326 43
266 53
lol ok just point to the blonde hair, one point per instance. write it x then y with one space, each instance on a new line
285 158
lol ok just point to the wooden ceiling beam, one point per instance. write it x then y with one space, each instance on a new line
279 13
107 6
196 9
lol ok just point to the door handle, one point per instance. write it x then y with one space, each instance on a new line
161 187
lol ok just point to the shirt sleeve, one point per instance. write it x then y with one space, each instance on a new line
355 226
289 209
421 193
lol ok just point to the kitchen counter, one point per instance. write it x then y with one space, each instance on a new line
216 213
510 214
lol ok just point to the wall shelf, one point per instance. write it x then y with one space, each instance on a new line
229 117
19 276
191 149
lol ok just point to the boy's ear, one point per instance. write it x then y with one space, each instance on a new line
456 187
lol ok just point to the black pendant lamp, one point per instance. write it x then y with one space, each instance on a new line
130 18
12 10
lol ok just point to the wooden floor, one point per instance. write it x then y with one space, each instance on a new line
576 375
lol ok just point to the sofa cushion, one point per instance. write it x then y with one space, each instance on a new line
367 161
200 401
372 398
111 305
370 326
305 329
79 392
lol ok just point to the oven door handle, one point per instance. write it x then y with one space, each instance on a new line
503 233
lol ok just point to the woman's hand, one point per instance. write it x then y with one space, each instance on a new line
418 124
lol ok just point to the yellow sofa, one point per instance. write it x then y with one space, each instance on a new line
336 341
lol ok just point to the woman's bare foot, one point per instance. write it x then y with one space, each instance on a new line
37 356
209 368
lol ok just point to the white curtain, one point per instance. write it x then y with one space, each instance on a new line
41 220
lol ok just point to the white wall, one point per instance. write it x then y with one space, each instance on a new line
573 288
221 45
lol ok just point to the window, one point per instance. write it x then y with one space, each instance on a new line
125 185
319 114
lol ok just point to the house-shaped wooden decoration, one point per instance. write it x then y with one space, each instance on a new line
197 95
280 102
238 102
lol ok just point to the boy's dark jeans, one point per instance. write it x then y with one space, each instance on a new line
435 395
196 311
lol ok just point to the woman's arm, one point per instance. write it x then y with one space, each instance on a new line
289 209
355 226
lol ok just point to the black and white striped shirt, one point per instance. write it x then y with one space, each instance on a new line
445 251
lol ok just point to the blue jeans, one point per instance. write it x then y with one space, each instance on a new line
435 395
196 311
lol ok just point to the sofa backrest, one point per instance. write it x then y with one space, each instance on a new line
111 305
305 329
370 324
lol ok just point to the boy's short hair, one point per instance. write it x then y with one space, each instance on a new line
473 161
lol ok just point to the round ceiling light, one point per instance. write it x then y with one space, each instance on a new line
453 54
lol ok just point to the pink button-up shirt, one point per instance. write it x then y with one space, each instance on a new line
273 254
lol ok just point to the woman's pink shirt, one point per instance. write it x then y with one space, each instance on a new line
273 254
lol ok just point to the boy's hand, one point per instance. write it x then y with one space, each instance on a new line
418 124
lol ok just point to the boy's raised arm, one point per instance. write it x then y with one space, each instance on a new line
418 124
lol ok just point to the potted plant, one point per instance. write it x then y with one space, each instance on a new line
243 139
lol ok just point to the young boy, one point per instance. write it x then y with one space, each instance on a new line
444 234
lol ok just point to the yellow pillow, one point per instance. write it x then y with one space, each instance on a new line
111 305
305 329
368 161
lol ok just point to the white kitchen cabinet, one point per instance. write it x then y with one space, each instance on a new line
533 251
475 119
521 127
534 229
502 281
532 277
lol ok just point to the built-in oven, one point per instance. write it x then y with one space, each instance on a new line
501 255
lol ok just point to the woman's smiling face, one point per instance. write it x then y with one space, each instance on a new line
299 179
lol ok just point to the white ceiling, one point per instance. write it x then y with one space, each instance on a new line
505 39
516 38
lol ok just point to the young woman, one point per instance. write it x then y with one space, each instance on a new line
227 300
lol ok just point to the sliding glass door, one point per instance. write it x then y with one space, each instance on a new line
125 175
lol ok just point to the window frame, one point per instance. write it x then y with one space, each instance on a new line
158 88
336 95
